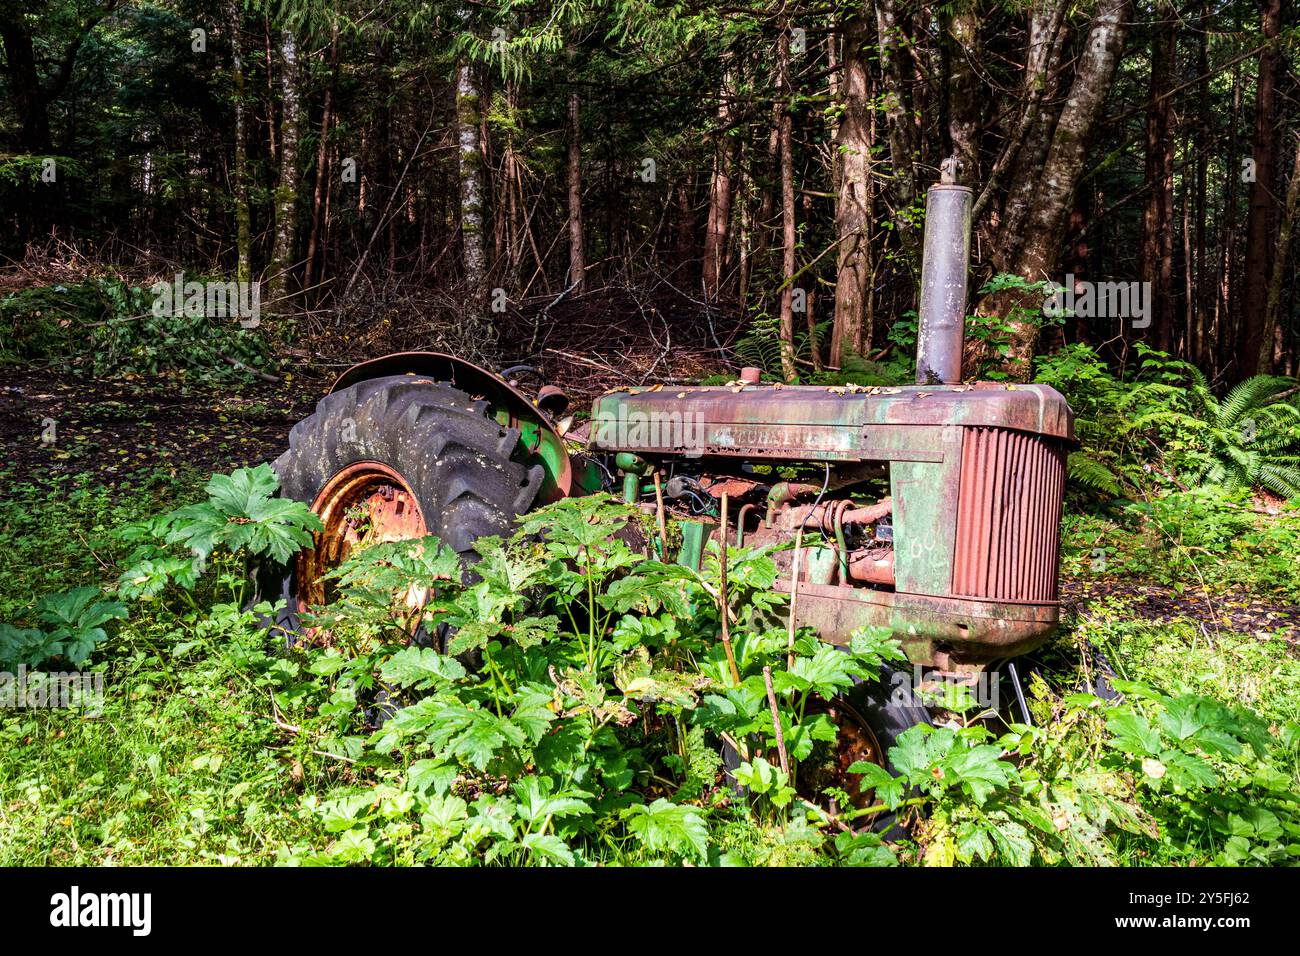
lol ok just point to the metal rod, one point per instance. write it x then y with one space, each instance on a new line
1020 694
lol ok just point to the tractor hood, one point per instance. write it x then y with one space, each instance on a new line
841 423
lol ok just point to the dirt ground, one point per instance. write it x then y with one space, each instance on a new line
1234 611
54 424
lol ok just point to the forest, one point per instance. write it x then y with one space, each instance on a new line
210 210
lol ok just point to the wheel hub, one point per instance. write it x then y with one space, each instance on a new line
366 503
854 742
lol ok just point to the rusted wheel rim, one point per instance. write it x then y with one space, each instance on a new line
855 741
366 503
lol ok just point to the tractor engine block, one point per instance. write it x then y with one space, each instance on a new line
960 554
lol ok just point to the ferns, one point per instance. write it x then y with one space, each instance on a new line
1091 473
762 346
1252 435
1166 421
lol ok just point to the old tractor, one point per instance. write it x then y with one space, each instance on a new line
934 507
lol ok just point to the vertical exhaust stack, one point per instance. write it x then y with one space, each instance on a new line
945 262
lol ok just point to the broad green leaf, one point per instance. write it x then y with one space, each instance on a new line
669 827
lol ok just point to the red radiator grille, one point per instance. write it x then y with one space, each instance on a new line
1008 516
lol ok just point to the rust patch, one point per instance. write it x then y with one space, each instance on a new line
364 504
1008 516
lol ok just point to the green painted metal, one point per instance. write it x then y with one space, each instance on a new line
921 434
820 563
842 551
631 488
694 534
816 423
587 475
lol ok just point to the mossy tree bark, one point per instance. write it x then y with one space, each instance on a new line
243 217
849 336
1047 209
286 190
470 157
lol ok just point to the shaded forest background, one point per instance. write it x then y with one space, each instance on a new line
745 179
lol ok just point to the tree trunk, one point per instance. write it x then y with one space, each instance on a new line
1026 151
1203 286
577 250
852 200
788 371
720 191
1225 282
243 218
1045 226
31 97
900 124
1269 348
1157 244
25 91
964 101
1262 208
322 180
286 191
470 166
513 191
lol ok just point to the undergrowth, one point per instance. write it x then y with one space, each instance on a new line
108 328
578 714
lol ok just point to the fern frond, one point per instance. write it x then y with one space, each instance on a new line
1091 473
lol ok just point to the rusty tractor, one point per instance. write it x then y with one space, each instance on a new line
933 509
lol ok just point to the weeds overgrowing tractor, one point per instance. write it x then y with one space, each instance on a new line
932 509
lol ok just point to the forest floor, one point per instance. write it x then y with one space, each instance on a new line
1232 609
113 429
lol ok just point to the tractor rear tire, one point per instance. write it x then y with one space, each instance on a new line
427 441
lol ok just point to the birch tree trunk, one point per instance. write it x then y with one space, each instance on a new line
853 197
286 191
470 165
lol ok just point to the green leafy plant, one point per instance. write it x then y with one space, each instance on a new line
1251 435
72 627
1163 426
109 326
240 520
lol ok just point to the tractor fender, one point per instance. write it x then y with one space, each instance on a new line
476 381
